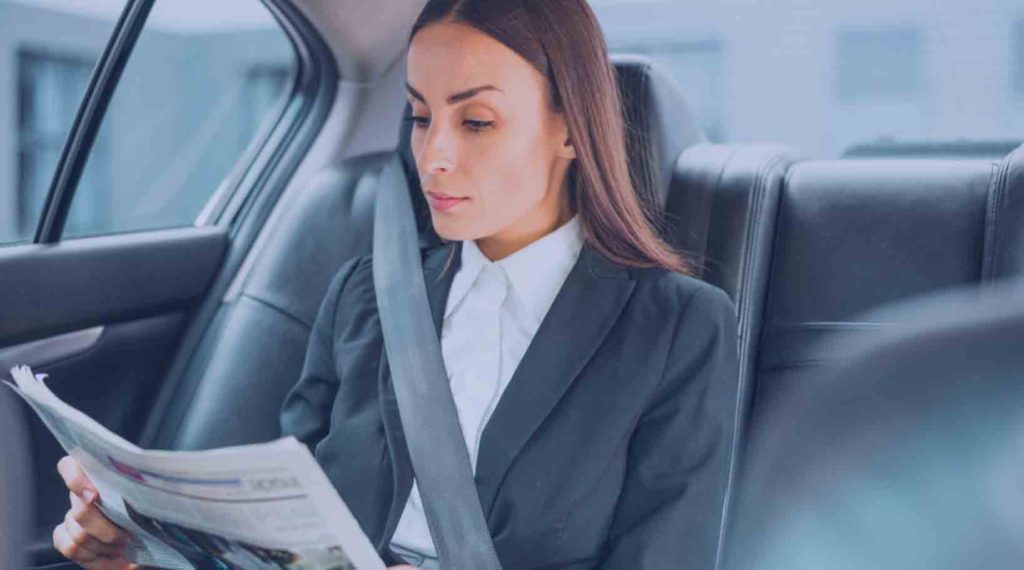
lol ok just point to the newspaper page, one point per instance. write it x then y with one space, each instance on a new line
247 507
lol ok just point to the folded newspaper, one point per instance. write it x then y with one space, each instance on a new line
247 507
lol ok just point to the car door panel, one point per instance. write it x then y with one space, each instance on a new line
103 318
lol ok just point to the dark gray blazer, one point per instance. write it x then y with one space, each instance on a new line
610 447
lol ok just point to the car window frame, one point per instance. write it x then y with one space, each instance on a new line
272 153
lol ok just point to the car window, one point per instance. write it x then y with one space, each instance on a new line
866 77
47 55
203 81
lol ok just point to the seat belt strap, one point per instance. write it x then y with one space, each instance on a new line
437 448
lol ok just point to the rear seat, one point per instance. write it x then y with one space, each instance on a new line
896 457
857 240
840 238
722 208
232 389
853 235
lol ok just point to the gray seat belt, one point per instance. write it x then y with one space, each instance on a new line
430 421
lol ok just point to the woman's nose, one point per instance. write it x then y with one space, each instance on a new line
436 155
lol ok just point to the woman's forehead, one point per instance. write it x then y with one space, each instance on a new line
446 59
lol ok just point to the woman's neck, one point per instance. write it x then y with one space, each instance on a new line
516 237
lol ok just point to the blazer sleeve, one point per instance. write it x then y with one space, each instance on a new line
670 512
306 410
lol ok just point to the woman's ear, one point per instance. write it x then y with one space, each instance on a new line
566 150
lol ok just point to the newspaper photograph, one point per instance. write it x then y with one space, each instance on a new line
247 507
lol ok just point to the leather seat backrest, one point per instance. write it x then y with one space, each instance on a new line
252 353
852 235
903 454
722 206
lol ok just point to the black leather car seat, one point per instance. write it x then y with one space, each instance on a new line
857 234
906 454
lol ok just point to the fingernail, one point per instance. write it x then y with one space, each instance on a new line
88 495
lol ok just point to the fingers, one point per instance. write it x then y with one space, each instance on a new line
86 540
67 546
75 546
76 479
86 535
94 522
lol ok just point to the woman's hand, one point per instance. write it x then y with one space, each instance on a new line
85 535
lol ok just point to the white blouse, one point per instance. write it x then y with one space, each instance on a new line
493 310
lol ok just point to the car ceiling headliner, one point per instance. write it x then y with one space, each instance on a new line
366 36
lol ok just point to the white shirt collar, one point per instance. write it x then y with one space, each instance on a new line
536 272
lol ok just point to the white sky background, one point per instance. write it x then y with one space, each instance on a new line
172 15
200 15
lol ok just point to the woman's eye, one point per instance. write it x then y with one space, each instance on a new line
418 122
474 126
477 126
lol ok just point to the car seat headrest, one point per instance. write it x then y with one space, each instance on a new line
660 123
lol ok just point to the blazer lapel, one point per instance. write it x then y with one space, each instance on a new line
582 314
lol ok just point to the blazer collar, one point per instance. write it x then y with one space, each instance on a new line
583 312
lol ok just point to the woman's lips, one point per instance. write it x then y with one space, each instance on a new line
441 202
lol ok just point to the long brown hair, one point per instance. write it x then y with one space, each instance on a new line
563 40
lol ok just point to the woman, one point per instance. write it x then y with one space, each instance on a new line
594 379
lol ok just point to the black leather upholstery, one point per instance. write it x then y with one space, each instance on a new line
232 390
848 236
15 482
1004 237
721 209
852 235
906 454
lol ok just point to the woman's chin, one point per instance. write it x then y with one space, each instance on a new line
450 231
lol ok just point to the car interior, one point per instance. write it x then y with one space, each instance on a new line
190 337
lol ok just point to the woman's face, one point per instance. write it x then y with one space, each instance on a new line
485 135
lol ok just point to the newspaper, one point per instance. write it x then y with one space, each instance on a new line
247 507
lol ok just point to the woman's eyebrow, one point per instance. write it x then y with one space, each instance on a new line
456 97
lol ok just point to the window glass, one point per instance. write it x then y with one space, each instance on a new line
201 83
879 65
826 77
203 80
263 85
50 91
47 54
1017 57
